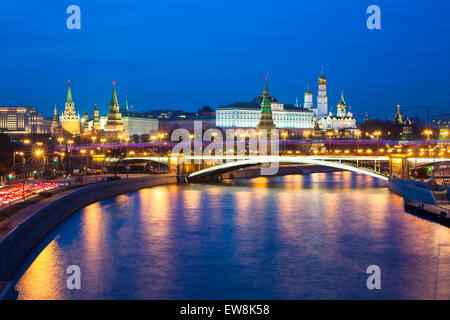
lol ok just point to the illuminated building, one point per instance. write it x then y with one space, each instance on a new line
138 123
85 122
444 133
257 112
341 121
308 102
126 123
96 126
70 120
114 129
21 120
322 99
407 130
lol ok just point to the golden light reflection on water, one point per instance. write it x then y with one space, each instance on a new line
157 219
40 281
244 216
92 225
192 209
287 213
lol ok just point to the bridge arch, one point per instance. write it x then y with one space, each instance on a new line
220 169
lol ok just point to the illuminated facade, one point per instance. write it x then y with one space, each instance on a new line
341 121
257 112
308 101
322 99
70 120
21 120
96 125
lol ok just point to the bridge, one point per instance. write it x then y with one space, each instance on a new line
227 164
207 168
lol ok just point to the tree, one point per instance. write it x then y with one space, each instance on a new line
5 154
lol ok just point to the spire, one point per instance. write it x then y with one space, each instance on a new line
266 87
126 102
95 107
265 104
265 120
342 98
307 88
322 76
55 115
114 95
398 116
69 93
296 102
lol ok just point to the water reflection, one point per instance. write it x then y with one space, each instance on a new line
292 237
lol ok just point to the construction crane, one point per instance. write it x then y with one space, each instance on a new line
428 108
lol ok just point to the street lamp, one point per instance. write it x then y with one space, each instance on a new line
428 132
284 134
40 153
330 134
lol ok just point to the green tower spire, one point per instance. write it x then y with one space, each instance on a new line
114 100
265 104
69 94
126 102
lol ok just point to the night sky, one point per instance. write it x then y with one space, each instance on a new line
187 54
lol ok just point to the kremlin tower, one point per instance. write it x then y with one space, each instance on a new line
70 120
265 120
114 129
96 123
56 129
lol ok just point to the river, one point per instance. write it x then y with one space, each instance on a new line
293 237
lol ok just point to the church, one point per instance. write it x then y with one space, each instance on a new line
343 119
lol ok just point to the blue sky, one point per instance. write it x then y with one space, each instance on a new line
186 54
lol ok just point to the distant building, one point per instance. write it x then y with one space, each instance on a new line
56 128
444 133
138 123
322 99
187 122
130 123
21 120
442 120
85 122
308 101
407 134
248 114
96 125
341 121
